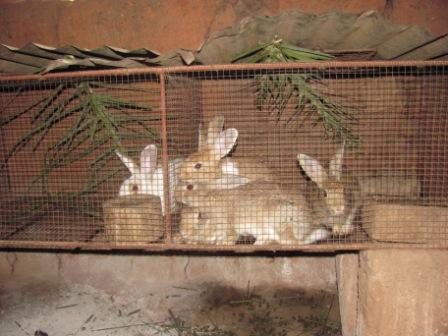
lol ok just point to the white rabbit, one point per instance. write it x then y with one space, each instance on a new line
148 177
333 196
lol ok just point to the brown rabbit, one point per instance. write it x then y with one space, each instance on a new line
196 228
258 209
210 162
334 196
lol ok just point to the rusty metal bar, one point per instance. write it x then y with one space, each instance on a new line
165 159
304 65
81 74
161 247
227 67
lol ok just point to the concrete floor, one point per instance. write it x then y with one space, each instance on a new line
83 310
88 294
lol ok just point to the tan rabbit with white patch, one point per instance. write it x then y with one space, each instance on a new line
210 162
334 196
258 209
196 228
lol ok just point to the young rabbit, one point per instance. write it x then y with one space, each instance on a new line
210 162
334 197
196 228
258 209
148 177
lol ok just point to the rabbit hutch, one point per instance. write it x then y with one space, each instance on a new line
302 157
298 158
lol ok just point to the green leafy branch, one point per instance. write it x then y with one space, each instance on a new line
100 124
276 91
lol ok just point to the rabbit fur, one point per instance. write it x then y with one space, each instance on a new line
211 161
147 178
259 209
333 196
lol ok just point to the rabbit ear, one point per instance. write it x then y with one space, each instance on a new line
229 181
202 139
129 163
313 169
336 163
148 159
215 126
224 142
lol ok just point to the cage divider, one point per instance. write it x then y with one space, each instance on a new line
165 159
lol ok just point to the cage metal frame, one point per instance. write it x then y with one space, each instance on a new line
162 74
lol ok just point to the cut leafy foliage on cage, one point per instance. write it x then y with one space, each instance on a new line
276 91
100 124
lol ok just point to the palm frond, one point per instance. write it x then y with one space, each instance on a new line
100 125
275 91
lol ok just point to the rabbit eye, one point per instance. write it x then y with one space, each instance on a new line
198 166
135 187
190 187
325 194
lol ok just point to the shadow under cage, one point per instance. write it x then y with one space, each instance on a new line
312 156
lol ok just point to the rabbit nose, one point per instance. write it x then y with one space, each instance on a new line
190 187
339 209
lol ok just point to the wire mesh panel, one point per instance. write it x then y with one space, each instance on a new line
69 146
320 156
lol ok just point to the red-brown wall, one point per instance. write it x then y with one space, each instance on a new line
167 24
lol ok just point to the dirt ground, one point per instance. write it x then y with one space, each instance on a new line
83 310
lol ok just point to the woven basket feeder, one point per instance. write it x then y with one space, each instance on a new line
136 218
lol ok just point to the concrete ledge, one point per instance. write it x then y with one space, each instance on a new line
347 280
403 292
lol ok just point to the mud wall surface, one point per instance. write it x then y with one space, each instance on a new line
166 25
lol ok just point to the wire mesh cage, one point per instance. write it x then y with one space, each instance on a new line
318 157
